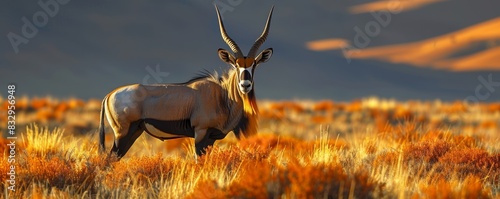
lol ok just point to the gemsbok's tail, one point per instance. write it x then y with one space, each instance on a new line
102 147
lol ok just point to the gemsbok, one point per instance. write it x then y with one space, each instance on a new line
205 108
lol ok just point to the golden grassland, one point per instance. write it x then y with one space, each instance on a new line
369 148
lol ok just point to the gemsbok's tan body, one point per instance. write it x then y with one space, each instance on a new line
205 108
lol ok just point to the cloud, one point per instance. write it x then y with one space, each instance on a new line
393 5
327 44
470 49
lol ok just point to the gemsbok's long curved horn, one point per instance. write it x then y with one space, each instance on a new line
234 47
262 38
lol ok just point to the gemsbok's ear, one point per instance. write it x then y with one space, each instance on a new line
264 56
226 56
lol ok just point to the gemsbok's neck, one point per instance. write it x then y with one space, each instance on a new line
247 104
248 101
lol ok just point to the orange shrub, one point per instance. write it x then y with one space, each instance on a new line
43 115
22 103
366 187
407 132
250 165
493 107
138 169
313 181
438 190
385 159
455 107
464 141
434 135
56 172
426 151
325 106
4 148
253 181
402 114
354 106
207 188
370 146
320 119
332 143
471 187
384 128
4 169
60 111
379 114
474 188
457 140
74 103
175 144
489 124
38 103
294 107
471 161
286 106
271 114
5 105
269 141
322 180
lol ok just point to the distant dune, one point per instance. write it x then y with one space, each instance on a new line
384 4
470 49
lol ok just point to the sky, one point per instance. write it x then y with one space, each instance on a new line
340 50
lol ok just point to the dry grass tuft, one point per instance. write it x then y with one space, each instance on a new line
42 141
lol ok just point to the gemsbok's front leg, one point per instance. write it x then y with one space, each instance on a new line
201 141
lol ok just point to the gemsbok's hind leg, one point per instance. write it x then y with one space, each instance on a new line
123 144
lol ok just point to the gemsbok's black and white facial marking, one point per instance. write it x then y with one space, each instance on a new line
245 65
245 78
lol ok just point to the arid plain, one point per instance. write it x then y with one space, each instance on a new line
367 148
